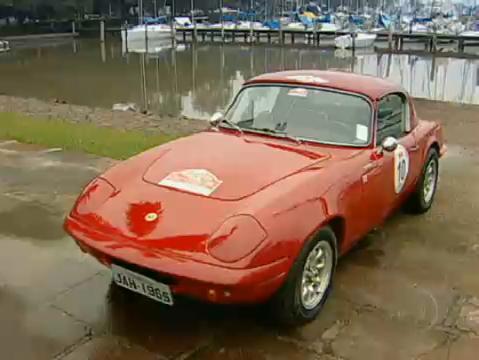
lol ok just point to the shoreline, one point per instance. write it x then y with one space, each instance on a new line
168 125
120 134
79 114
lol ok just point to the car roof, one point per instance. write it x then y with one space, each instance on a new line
369 86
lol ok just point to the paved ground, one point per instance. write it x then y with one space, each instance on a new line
409 291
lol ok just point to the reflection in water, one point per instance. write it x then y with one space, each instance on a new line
197 80
103 52
75 46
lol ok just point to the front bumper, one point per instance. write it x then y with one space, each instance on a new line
184 276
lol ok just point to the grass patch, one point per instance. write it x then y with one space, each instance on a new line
102 141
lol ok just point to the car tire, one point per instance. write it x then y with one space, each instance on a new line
422 198
289 305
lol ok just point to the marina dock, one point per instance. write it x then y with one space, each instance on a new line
315 38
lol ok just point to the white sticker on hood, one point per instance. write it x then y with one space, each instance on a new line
196 181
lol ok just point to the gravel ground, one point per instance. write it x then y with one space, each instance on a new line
181 126
130 120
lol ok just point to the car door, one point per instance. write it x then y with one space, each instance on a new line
398 168
387 176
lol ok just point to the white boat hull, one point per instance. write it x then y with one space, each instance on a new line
152 32
470 33
247 25
361 41
226 26
419 28
329 27
295 26
4 46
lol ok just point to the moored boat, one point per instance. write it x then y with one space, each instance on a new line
183 22
246 25
295 26
470 34
145 31
4 46
330 27
361 40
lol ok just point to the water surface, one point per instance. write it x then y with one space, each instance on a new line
196 80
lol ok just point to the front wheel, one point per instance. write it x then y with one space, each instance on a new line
309 282
423 197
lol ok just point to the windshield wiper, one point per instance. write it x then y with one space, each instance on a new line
231 124
283 134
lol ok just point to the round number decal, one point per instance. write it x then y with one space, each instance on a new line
401 168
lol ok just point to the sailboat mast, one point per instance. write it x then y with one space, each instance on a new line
265 10
193 14
221 15
140 12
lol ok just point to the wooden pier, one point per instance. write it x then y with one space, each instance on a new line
395 41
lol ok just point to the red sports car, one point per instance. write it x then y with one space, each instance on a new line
259 207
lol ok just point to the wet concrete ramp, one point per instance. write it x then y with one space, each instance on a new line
408 291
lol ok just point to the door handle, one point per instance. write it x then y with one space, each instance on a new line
370 166
414 148
370 169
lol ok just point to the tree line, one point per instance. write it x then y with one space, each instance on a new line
51 9
40 9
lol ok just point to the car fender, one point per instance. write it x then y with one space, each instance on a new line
293 211
429 134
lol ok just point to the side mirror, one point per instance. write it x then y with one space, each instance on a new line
216 118
389 144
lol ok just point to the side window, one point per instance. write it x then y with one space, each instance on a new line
391 117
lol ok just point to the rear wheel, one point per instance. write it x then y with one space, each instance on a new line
421 200
308 285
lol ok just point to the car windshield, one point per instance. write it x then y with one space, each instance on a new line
315 114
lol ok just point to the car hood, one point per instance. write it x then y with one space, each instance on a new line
226 166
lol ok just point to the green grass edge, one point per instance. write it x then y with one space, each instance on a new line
82 137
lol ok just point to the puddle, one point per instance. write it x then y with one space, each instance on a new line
32 220
469 316
15 146
29 176
366 252
366 257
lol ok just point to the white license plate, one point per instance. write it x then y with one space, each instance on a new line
142 284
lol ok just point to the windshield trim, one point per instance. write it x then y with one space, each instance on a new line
303 139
